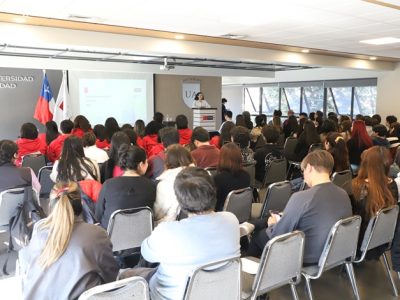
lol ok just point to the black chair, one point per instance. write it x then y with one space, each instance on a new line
290 155
251 169
343 179
34 161
275 171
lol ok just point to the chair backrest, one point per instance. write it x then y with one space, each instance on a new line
280 263
275 172
281 139
133 288
128 228
34 161
380 229
276 197
46 184
251 169
289 147
9 201
341 243
343 179
218 280
315 146
239 203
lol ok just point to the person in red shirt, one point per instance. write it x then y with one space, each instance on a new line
81 126
55 147
185 133
51 133
29 143
150 140
205 155
101 137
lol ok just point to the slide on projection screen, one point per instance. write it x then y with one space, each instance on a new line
124 96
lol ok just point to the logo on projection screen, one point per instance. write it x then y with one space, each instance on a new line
189 90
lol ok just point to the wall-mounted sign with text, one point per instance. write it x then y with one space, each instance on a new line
12 81
190 87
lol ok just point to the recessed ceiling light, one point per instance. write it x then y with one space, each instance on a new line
372 58
305 51
233 36
381 41
20 19
179 37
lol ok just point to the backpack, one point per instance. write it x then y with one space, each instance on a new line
21 223
275 154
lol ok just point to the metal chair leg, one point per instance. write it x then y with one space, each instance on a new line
388 270
294 292
309 291
352 277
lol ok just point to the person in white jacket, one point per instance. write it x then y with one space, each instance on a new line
166 207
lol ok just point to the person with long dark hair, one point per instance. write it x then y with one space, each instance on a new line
73 165
130 190
231 175
225 135
359 141
110 168
51 133
199 101
247 120
101 136
81 125
65 256
55 147
112 127
336 145
308 137
290 126
140 129
185 133
150 140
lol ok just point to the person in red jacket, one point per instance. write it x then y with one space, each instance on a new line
81 126
205 155
150 140
185 134
29 143
51 133
55 147
101 137
140 131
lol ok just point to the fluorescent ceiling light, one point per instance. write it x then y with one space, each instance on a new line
372 58
305 51
179 37
381 41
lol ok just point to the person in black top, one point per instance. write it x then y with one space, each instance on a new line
130 190
271 148
224 110
308 137
231 175
10 175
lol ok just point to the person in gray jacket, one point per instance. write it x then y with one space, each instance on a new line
65 256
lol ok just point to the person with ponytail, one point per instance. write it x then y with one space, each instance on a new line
373 189
336 145
65 256
130 190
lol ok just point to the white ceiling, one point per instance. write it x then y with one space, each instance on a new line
335 25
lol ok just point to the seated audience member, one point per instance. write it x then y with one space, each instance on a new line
159 118
55 147
224 136
327 126
90 149
373 190
168 136
345 128
73 165
391 123
270 149
181 246
290 126
65 256
205 155
140 131
335 145
313 211
241 137
378 119
81 125
226 118
256 132
276 114
166 207
131 134
29 143
151 138
368 124
378 135
308 137
111 126
130 190
247 120
240 121
101 137
110 168
231 175
51 133
10 175
359 141
185 133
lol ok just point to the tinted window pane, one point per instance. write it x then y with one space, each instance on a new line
342 99
365 100
313 99
270 100
252 100
293 98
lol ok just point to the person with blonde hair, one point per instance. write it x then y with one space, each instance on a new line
66 256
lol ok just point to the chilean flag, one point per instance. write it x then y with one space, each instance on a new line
45 104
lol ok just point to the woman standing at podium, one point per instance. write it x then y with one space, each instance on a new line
199 101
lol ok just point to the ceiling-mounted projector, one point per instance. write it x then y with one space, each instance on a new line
166 66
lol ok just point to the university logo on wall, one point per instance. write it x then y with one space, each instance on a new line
190 88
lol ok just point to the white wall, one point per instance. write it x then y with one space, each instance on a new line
234 95
388 102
